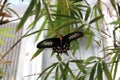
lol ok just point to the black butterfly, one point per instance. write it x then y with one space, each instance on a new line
60 45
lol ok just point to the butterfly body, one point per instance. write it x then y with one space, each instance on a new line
61 44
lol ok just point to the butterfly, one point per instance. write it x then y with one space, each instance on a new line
61 44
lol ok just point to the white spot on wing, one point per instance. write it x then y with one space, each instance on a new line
73 36
47 43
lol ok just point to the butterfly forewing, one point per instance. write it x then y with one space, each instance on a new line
47 43
74 36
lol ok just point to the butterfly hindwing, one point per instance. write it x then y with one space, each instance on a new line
47 43
74 36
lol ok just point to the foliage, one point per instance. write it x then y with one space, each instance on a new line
67 16
76 15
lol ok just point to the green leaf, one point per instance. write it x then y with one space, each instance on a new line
56 74
74 13
113 4
66 71
74 1
80 13
71 73
116 22
37 53
65 16
99 72
59 57
118 7
62 71
13 11
41 29
49 72
92 73
53 65
106 70
74 46
81 67
38 7
77 61
96 19
71 22
89 41
81 78
116 67
90 58
87 13
26 15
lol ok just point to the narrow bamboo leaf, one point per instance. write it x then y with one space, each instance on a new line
89 41
66 71
65 16
87 13
81 6
59 57
96 19
56 74
96 14
116 67
92 73
81 67
26 15
31 34
80 13
77 61
74 13
41 29
53 65
62 71
81 26
74 46
38 7
116 22
99 72
67 24
81 78
113 60
118 7
71 73
77 1
46 77
113 4
106 70
13 11
36 53
90 58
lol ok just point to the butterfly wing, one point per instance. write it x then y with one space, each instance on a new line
73 36
47 43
